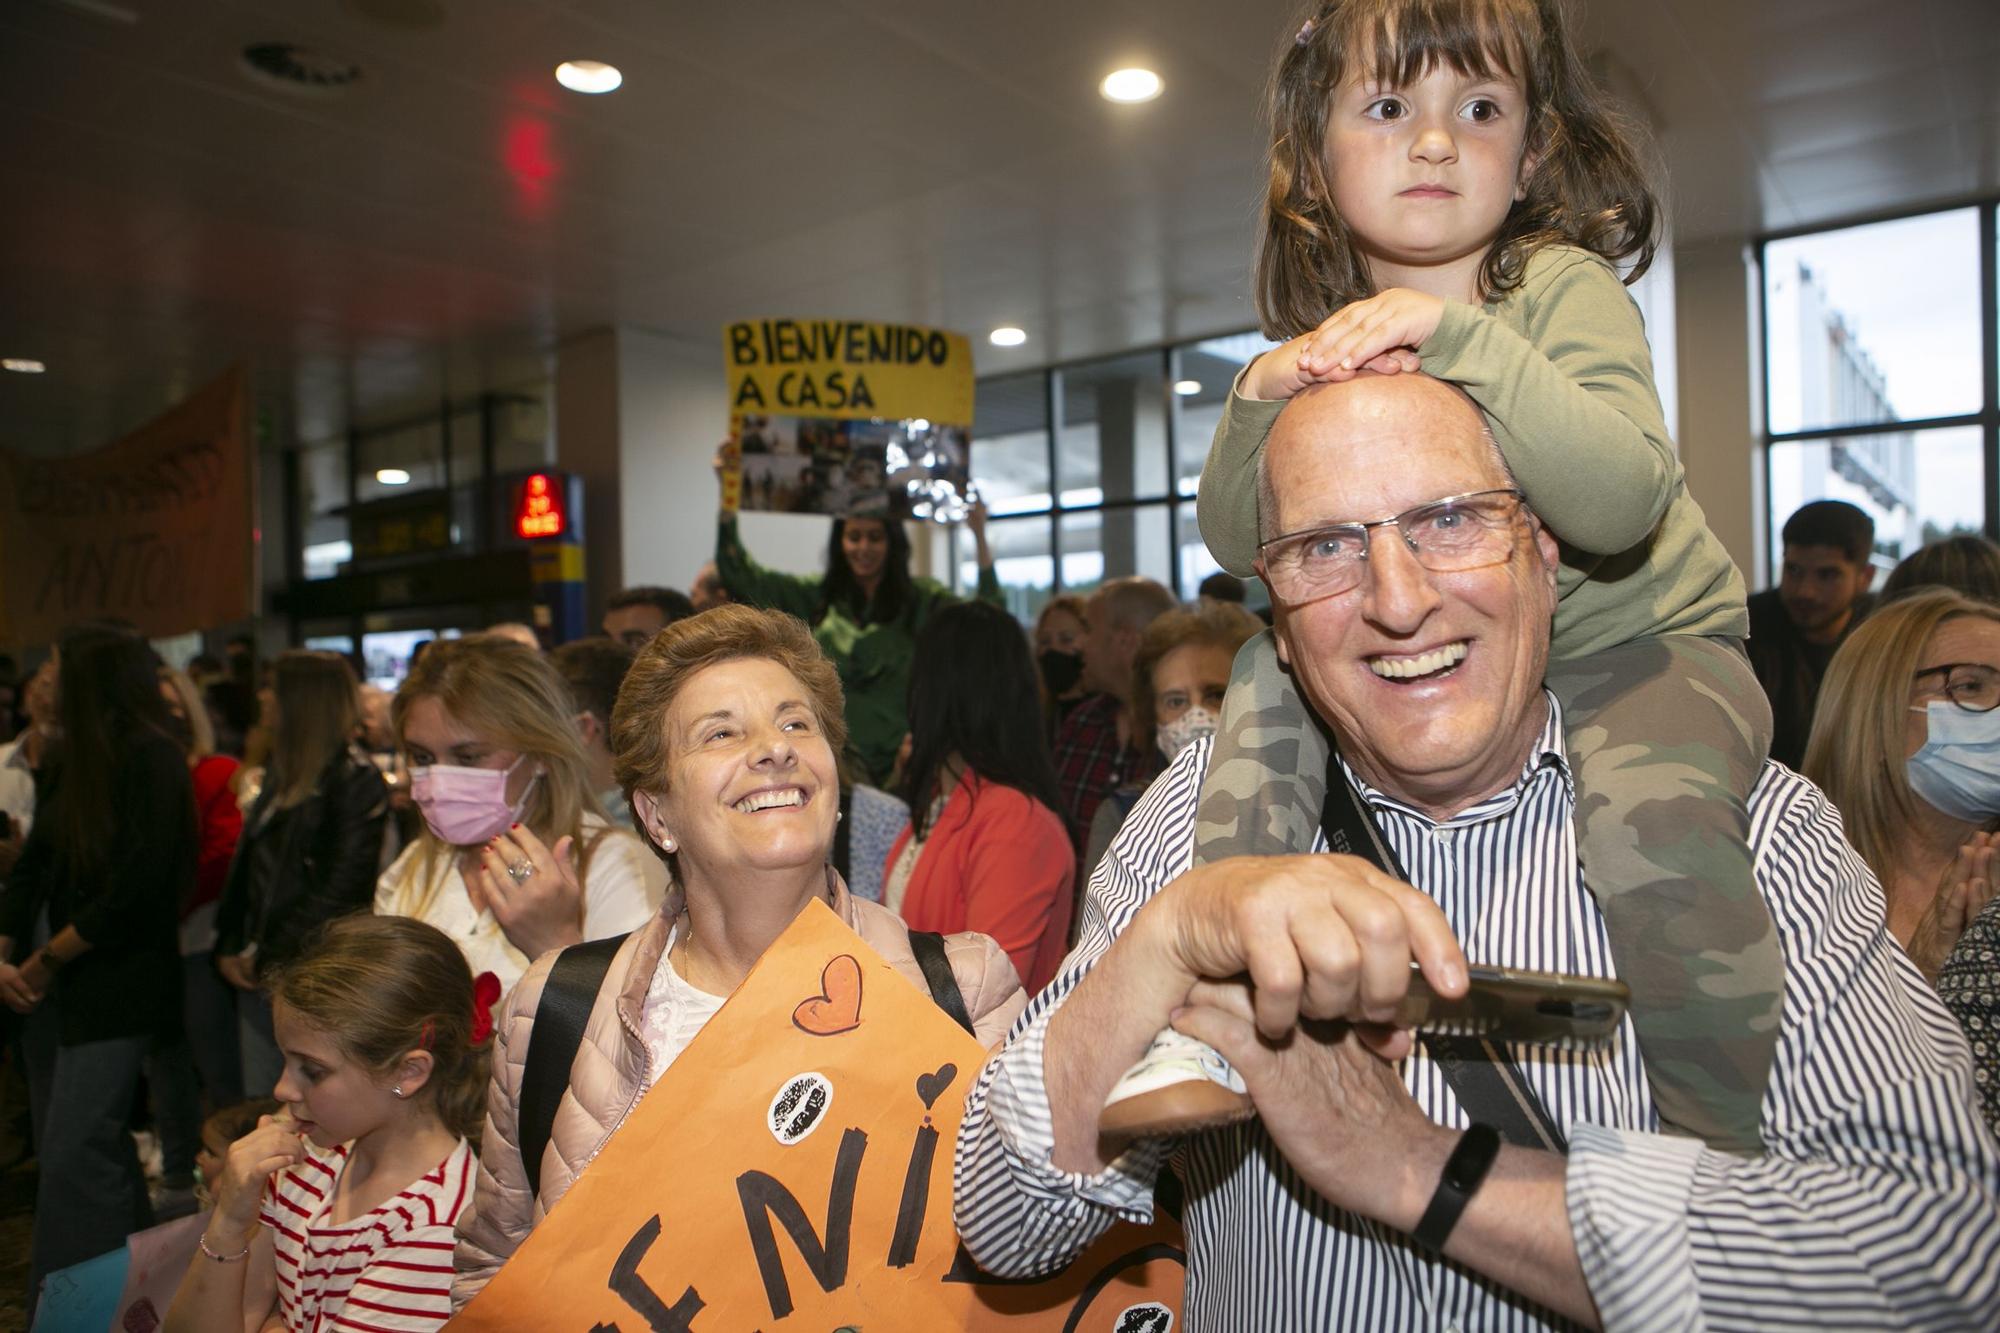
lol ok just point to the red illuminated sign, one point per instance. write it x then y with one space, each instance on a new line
540 512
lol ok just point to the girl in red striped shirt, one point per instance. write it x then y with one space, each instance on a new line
337 1213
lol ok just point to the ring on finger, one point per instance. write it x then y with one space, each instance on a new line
520 870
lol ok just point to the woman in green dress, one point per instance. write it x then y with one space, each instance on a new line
866 611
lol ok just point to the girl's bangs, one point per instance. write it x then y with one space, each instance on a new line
1395 42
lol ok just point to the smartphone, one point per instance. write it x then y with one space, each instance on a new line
1512 1004
6 826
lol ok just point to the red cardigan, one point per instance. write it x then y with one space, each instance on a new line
998 862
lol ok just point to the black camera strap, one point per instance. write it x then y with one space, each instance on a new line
1482 1075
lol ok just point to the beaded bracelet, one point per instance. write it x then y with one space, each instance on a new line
221 1258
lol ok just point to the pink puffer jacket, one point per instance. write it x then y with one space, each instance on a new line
610 1069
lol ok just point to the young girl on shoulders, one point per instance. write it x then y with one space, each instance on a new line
1449 193
338 1211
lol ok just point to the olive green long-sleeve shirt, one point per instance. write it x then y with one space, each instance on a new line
872 656
1562 369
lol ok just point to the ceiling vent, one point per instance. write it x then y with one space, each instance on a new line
298 70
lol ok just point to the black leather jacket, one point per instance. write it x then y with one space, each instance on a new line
299 867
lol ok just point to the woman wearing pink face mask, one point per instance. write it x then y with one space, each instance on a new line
515 858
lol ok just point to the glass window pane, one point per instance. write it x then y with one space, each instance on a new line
1197 564
1203 372
1874 323
1917 485
1010 444
1021 561
521 437
399 461
1111 543
1112 441
322 481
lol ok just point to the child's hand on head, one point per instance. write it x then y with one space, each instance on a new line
1381 333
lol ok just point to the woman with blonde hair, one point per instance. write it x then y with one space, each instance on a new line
515 858
338 1212
725 733
1906 743
311 843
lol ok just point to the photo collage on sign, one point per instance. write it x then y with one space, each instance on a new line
817 465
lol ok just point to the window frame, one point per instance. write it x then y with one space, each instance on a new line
1986 419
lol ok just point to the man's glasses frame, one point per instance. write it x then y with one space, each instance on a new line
1493 511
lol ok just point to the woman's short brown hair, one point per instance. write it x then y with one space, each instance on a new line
1220 624
640 750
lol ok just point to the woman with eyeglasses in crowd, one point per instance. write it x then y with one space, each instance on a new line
1906 743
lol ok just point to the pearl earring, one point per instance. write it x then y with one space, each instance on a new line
397 1090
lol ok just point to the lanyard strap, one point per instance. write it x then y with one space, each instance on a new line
1482 1075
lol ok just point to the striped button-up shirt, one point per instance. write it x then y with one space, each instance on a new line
1876 1204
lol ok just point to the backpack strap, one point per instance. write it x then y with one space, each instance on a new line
928 946
568 996
1481 1075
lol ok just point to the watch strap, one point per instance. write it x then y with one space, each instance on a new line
1464 1171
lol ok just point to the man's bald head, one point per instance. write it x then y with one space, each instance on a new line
1322 413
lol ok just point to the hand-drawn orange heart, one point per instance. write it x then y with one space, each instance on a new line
837 1007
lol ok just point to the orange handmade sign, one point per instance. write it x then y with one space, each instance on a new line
792 1171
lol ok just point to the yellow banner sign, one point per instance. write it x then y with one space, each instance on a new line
153 529
848 370
792 1171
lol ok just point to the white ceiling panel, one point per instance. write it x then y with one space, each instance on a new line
441 224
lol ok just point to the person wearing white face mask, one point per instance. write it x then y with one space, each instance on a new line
1179 676
1907 745
498 771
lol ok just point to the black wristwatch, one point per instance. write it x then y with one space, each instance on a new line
1464 1171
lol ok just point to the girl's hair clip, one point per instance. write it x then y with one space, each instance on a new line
1305 32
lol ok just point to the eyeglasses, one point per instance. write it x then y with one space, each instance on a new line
1969 685
1456 533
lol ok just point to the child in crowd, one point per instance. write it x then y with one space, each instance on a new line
338 1211
221 1129
1449 193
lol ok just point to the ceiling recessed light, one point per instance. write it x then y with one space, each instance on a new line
393 476
588 76
1007 336
22 365
1131 85
1187 388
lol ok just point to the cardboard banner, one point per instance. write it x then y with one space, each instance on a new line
839 416
792 1170
153 529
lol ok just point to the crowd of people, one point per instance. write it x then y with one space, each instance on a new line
313 936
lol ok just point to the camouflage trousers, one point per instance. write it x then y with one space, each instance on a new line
1666 737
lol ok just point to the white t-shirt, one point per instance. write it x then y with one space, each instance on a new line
674 1013
622 888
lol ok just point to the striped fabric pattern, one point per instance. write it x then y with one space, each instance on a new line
387 1271
1877 1204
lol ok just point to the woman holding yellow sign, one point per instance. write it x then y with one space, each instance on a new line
866 611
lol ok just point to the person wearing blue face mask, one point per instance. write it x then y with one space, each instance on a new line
1907 745
516 857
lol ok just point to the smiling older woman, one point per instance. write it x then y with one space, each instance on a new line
725 733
